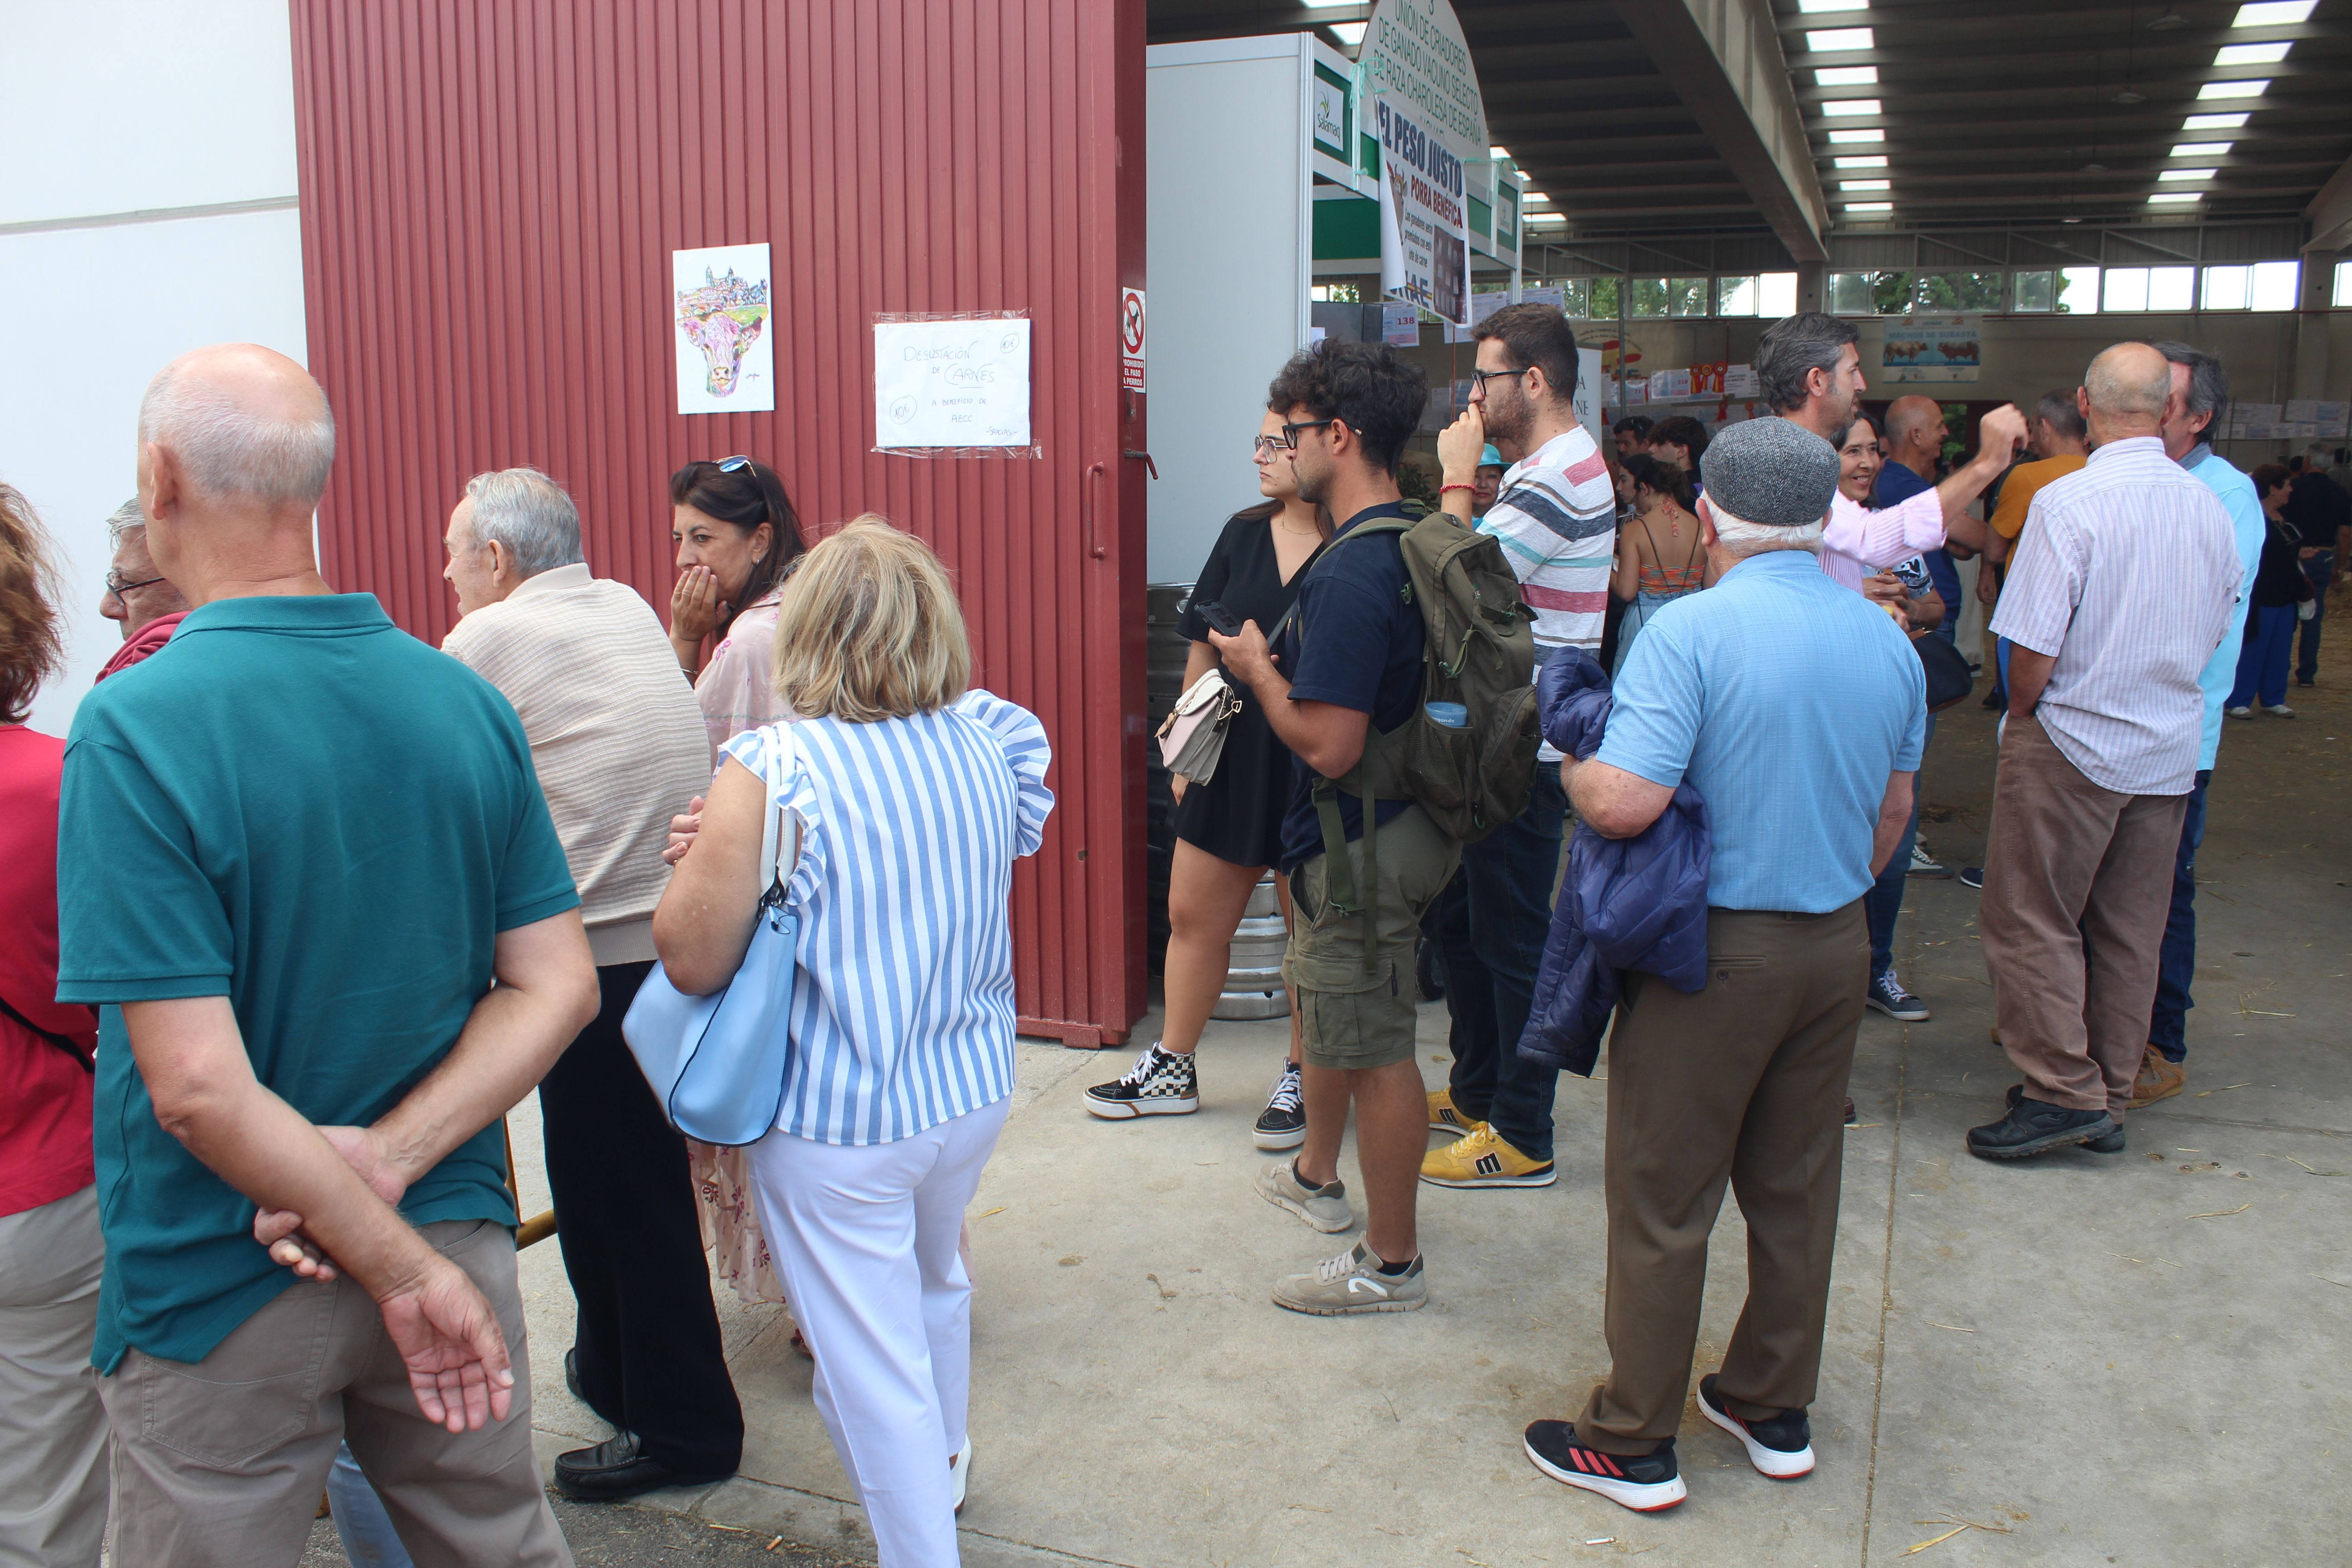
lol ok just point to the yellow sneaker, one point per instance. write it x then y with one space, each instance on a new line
1482 1159
1443 1118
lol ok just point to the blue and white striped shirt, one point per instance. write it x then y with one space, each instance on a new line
902 1012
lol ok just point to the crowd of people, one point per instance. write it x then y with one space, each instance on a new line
303 905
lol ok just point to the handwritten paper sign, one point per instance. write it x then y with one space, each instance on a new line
951 383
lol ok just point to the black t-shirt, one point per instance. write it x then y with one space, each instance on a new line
2279 580
2317 507
1356 642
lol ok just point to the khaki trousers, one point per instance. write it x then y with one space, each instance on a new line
52 1427
219 1463
2078 883
1743 1082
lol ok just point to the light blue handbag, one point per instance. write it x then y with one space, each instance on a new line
716 1063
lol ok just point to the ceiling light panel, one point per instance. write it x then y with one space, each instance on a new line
2163 198
2251 54
1870 206
1847 76
1853 106
1839 38
1854 138
2267 13
1865 161
2215 121
1864 186
2201 149
1813 7
1349 33
2233 90
2188 173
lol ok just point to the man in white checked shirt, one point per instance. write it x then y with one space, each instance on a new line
1555 516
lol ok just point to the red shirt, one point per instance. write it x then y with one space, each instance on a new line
45 1144
146 641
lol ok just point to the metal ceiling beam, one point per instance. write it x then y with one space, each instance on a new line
1723 58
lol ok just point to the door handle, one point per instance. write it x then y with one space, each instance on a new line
1094 511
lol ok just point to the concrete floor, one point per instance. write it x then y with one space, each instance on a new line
2135 1359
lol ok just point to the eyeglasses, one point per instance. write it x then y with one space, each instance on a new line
1291 428
733 465
118 587
1264 445
1482 377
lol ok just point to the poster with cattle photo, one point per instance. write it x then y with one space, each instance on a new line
1931 348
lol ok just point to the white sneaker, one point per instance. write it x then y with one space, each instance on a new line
1924 864
2281 709
1325 1208
960 1472
2240 712
1351 1283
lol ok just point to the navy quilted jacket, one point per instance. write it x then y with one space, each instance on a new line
1626 903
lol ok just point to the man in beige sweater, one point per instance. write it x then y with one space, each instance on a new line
619 746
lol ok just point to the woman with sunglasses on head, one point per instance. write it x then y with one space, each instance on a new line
1228 828
737 538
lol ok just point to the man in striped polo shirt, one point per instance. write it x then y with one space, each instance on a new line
1555 516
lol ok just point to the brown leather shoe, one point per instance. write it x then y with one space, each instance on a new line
2158 1079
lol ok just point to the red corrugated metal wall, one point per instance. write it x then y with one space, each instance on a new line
490 193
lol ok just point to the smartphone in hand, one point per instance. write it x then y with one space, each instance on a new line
1223 619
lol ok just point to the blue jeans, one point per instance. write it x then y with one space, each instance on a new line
2262 663
1882 906
2176 960
2306 659
360 1522
1491 930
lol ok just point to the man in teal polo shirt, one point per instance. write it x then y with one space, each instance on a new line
295 848
1796 708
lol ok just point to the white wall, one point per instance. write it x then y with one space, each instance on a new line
1225 248
147 108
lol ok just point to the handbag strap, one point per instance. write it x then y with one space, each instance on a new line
63 1042
771 830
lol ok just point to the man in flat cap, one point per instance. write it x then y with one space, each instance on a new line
1797 708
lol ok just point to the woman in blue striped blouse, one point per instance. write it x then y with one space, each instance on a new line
909 798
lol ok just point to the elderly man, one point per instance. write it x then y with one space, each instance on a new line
2125 581
294 854
1797 709
1915 434
138 595
619 745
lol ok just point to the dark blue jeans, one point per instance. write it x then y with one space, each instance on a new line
1491 926
2176 960
1882 906
2306 657
2262 662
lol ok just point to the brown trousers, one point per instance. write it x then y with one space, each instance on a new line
2078 881
219 1463
1744 1082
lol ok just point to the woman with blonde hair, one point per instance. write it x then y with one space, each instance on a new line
907 798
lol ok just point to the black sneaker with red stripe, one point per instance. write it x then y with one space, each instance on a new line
1782 1447
1646 1483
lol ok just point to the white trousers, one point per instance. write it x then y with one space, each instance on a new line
52 1426
865 1240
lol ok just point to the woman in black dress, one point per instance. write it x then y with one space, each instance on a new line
1229 829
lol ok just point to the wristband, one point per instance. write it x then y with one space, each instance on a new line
1442 489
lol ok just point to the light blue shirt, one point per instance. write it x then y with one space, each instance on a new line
1785 698
902 1012
2248 524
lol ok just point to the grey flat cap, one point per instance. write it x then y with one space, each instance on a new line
1772 471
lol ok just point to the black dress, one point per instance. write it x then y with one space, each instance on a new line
1237 814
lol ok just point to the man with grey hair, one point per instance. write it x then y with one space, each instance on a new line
138 595
1797 709
306 872
2125 577
620 745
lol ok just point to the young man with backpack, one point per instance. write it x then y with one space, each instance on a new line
1555 519
1431 752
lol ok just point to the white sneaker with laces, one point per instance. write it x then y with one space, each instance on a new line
1924 864
1325 1208
960 1472
1350 1283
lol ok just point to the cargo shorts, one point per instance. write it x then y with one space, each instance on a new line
1348 1017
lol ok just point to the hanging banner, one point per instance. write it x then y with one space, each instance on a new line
1931 348
1425 228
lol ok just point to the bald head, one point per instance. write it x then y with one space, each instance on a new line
2128 385
241 427
1906 414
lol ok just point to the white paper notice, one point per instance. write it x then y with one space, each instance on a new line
951 383
726 358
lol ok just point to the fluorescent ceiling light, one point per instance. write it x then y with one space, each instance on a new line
1866 185
1839 38
1811 7
2215 121
1349 33
2188 173
2201 149
2233 90
1870 206
1850 137
1536 199
2163 197
1500 153
1546 219
2268 12
2251 54
1325 5
1846 76
1866 161
1847 106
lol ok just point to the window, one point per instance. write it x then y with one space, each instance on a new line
1686 297
2034 291
1850 294
1605 298
1574 296
1944 291
2078 290
1648 297
1735 297
2343 284
2150 288
2264 286
1776 294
